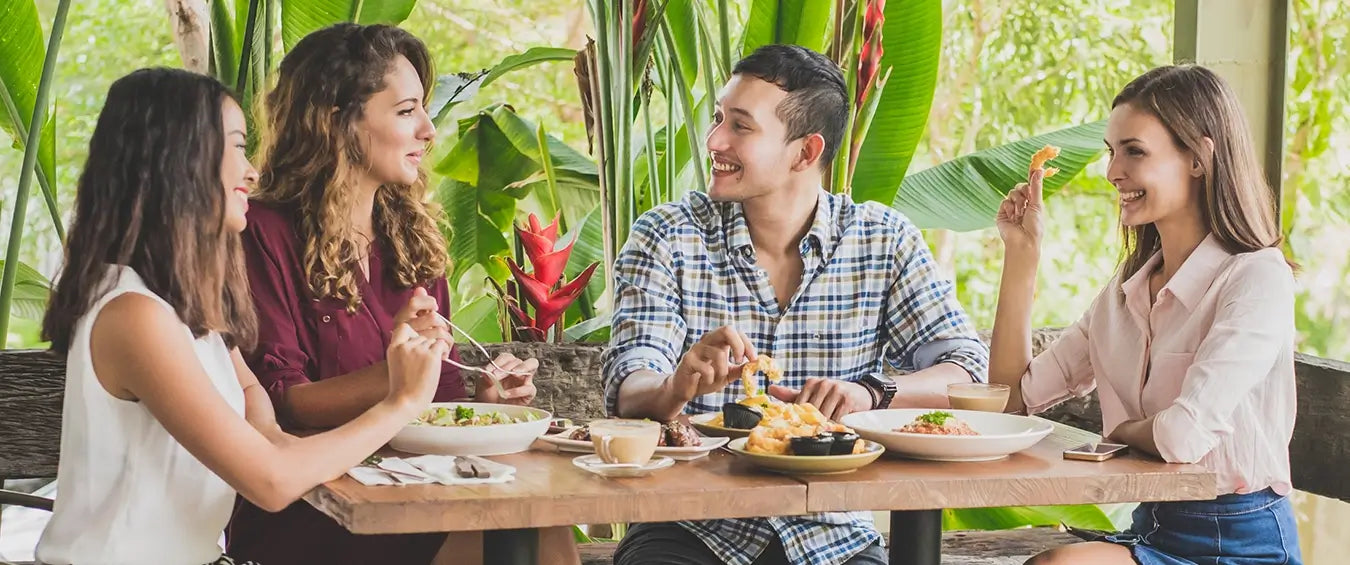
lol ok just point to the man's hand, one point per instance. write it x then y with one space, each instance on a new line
708 366
834 398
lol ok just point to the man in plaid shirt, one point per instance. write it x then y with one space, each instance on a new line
769 263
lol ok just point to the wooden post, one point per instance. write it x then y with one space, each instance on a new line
1245 42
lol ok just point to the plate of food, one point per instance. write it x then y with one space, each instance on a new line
472 428
949 435
798 438
803 455
678 441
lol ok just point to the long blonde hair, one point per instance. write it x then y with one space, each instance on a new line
311 154
1238 206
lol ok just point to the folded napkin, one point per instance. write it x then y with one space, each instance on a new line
427 469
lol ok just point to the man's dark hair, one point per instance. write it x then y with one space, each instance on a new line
817 100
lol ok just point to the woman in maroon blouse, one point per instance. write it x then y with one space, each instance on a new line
341 248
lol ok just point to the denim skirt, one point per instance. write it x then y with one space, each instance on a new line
1235 529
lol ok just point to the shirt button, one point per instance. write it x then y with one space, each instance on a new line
327 318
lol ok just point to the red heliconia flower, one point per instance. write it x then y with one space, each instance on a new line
540 288
869 60
539 243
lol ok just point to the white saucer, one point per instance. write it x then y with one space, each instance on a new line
594 464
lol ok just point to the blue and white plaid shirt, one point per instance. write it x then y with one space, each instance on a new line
870 290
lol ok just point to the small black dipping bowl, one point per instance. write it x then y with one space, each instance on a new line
812 446
740 417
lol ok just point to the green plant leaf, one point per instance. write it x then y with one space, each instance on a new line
21 56
589 248
799 22
532 56
963 194
479 320
31 291
474 238
1079 516
592 330
912 40
682 18
302 17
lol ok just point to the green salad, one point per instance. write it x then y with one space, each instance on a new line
466 416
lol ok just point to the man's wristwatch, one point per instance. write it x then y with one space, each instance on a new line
882 388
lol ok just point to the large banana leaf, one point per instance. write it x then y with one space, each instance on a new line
1079 516
912 38
682 19
800 22
21 58
301 17
963 194
31 289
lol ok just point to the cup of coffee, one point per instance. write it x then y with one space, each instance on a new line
984 397
625 441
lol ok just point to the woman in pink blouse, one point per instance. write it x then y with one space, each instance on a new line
1191 345
340 249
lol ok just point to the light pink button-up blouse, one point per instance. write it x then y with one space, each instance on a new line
1212 361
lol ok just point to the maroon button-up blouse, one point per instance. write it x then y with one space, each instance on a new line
303 339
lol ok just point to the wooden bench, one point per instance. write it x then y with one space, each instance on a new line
32 384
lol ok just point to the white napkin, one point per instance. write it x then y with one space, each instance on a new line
426 469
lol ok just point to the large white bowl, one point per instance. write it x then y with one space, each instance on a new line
1000 434
497 439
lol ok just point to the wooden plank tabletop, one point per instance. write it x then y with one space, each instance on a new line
1036 476
550 491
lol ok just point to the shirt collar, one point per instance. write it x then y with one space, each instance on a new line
1190 282
822 225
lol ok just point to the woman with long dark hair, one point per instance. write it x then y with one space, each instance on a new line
163 421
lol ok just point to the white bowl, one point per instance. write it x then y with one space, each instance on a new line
496 439
1000 434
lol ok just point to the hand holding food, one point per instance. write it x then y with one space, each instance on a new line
1020 222
707 366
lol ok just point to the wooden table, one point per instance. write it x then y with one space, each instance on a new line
550 491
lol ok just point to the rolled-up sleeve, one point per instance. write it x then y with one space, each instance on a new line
1251 329
1061 371
647 331
924 323
278 360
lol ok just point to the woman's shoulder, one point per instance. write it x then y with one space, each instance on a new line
271 217
1265 269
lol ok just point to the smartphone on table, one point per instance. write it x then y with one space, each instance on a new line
1095 451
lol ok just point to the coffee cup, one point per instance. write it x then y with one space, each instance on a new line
630 442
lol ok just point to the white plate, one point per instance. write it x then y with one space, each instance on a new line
497 439
594 464
561 440
1000 434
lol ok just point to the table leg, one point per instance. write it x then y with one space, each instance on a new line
916 537
511 547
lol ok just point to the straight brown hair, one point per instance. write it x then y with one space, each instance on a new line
1238 206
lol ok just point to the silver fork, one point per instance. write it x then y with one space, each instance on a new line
495 383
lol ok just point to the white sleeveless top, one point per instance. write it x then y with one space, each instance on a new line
127 491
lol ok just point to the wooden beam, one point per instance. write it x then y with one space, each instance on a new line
1245 42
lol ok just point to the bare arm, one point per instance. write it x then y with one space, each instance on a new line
139 347
706 367
927 388
258 409
1020 226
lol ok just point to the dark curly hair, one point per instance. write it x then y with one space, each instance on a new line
150 198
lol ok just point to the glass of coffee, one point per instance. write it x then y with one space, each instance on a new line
630 442
984 397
